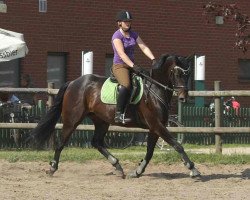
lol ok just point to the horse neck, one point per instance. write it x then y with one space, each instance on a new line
162 76
158 75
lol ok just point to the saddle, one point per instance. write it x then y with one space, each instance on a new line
110 89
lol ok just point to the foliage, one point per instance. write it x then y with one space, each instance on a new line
231 11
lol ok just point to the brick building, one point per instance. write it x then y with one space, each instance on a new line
65 28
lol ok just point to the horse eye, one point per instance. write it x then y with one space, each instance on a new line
177 73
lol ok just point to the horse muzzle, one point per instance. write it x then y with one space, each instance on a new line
182 93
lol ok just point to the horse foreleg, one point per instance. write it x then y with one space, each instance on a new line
151 142
187 162
179 148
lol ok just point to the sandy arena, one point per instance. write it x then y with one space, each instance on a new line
92 180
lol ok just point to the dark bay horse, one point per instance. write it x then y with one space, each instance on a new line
81 98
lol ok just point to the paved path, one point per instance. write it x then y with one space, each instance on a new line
225 151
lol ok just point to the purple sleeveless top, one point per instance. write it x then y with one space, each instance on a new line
128 44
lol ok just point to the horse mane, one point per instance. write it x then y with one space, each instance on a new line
182 61
163 59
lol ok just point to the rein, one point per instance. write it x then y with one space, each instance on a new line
148 78
157 96
165 87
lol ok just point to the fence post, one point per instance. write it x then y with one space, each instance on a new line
180 136
217 107
50 103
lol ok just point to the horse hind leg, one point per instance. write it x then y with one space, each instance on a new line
101 128
66 133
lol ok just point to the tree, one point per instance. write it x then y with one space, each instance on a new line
231 11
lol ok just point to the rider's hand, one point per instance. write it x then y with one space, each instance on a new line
154 63
138 70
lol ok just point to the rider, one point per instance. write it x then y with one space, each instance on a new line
123 43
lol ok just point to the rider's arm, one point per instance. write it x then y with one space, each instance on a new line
145 49
120 50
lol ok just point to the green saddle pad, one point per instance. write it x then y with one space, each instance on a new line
109 92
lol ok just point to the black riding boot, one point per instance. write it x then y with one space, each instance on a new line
122 101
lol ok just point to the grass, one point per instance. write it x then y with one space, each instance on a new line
132 154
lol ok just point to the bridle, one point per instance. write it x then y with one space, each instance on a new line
183 71
150 81
166 87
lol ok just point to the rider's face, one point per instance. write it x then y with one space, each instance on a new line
125 25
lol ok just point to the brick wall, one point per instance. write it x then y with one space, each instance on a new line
167 26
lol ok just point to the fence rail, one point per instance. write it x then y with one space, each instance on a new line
83 127
224 93
184 130
48 91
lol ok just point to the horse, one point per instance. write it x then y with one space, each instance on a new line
80 98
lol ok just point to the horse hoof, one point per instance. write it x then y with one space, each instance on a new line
132 174
194 173
50 172
119 174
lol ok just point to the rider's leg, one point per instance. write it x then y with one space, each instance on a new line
122 102
122 75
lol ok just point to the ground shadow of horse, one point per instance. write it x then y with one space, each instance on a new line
204 178
168 176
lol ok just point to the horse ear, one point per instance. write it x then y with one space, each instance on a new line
161 60
190 57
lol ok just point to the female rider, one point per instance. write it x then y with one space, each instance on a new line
123 43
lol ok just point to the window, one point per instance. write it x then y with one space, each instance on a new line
42 5
3 7
56 68
9 73
244 69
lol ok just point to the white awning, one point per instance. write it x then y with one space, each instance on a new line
12 45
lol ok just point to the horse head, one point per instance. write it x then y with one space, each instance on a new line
174 72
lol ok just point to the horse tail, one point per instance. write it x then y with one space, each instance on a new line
46 126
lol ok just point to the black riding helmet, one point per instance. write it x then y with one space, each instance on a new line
123 16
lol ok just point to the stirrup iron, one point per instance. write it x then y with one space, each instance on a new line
120 118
